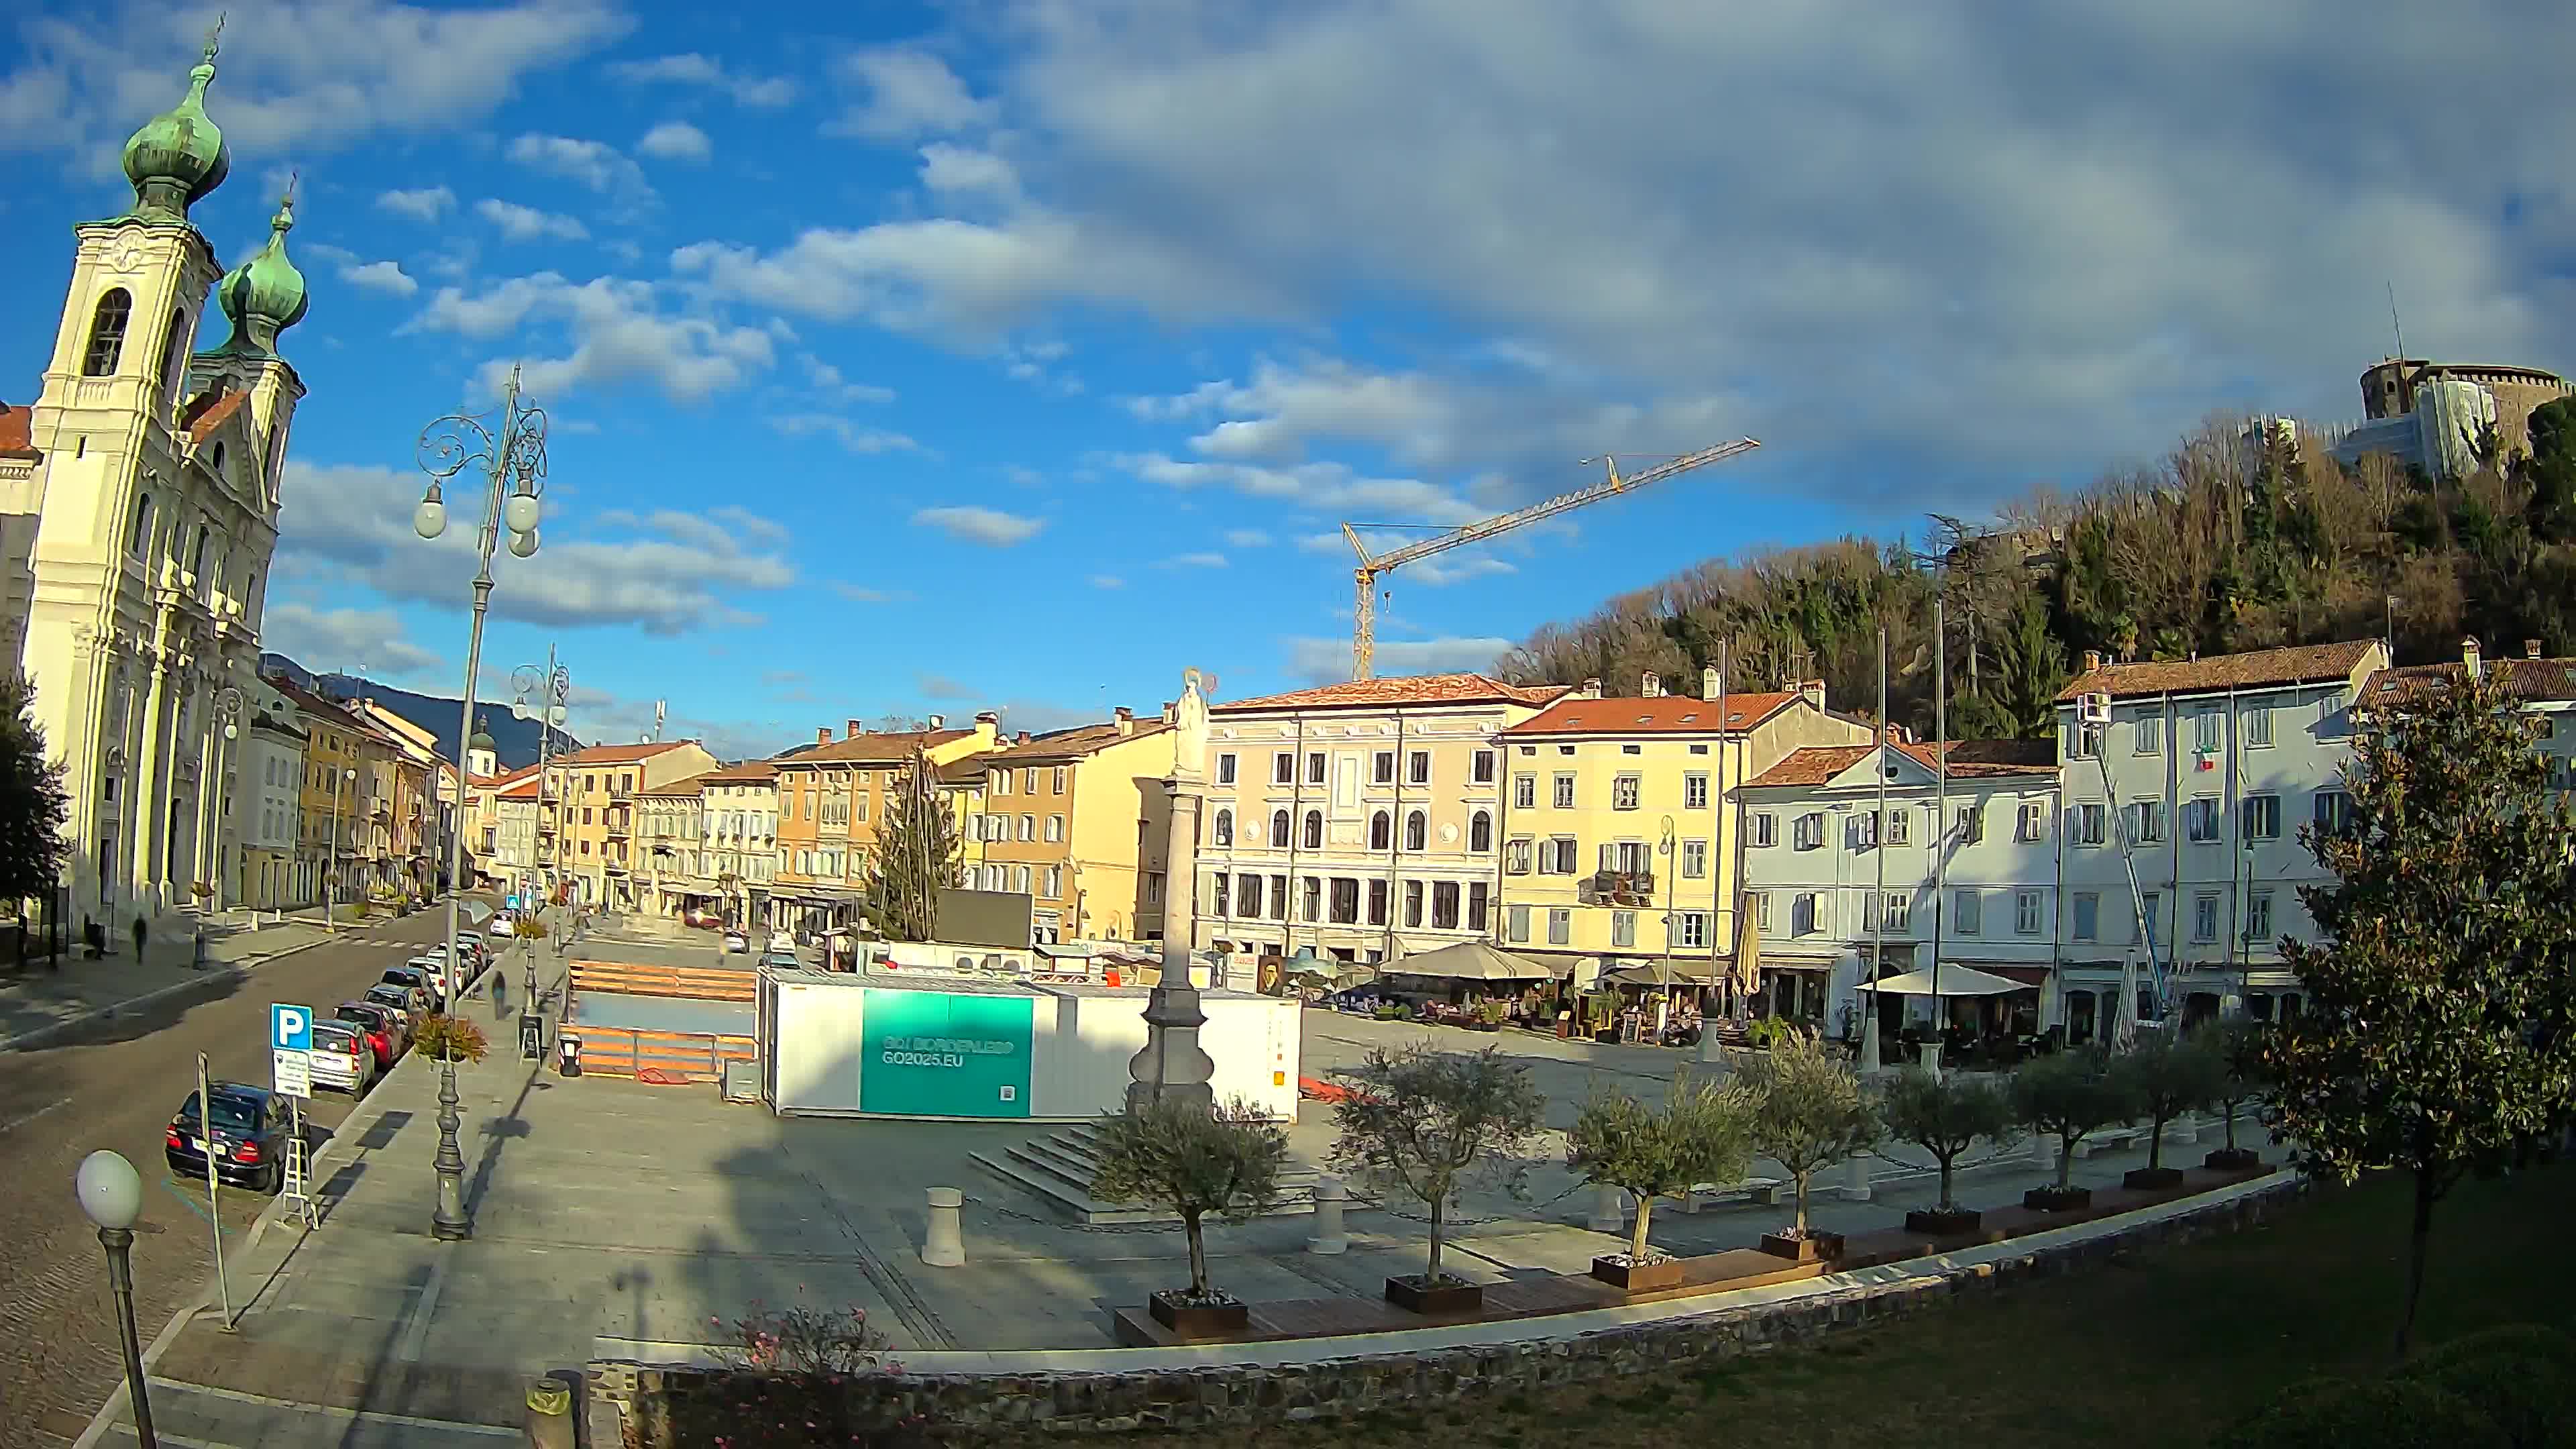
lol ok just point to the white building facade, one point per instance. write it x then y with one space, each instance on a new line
141 516
268 810
1834 884
2186 783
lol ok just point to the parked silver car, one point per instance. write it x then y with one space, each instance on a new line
342 1058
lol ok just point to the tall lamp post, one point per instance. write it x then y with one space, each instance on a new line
331 877
228 709
512 457
552 686
111 1194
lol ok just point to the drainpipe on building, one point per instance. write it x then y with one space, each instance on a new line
1395 841
1296 829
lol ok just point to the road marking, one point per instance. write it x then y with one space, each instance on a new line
416 1332
127 1430
364 1416
32 1116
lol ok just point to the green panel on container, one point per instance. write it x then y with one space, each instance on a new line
930 1054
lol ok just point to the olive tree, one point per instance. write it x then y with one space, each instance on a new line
2070 1095
1702 1133
2242 1076
1428 1124
1809 1112
1947 1115
1181 1157
2167 1074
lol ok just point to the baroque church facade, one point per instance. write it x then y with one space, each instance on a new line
138 515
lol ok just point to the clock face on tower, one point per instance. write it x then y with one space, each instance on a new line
127 256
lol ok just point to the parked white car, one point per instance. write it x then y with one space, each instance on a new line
341 1058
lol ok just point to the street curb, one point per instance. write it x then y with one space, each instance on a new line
43 1035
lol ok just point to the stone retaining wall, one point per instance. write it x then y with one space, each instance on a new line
1217 1395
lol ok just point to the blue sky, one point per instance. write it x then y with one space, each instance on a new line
1020 353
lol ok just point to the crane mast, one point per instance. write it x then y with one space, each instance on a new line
1364 612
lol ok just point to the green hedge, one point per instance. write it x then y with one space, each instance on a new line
2522 1374
2402 1413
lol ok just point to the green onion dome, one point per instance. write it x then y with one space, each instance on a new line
179 155
265 295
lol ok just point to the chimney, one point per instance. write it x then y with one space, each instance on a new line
1710 687
939 721
1021 739
1653 685
988 724
2530 648
1125 718
1591 690
1814 690
852 729
823 734
2092 660
2469 657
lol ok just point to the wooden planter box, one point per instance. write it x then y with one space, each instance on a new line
1640 1278
1815 1247
1413 1294
1198 1320
2233 1159
1936 1223
2151 1179
2057 1199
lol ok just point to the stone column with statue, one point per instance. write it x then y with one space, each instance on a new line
1173 1066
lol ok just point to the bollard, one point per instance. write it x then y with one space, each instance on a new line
944 1245
1330 1238
549 1419
1928 1054
2184 1129
1856 1178
1609 1210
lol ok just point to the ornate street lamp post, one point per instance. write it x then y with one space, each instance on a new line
553 687
512 458
111 1193
228 709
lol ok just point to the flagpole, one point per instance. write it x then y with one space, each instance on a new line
1878 908
1940 808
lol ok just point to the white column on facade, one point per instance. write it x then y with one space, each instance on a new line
148 808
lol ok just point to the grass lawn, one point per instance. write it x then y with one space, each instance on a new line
2160 1349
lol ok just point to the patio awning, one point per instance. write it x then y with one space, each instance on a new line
1667 972
1469 961
1955 981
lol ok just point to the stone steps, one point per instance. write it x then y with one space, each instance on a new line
1057 1169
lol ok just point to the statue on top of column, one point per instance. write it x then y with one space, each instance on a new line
1190 727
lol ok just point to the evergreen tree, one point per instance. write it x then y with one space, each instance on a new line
915 859
2440 1031
33 802
2019 701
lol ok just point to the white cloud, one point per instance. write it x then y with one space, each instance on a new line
618 334
526 223
1324 661
424 204
857 594
907 93
1107 581
1247 538
352 638
1329 487
301 75
951 170
988 526
707 73
857 439
595 164
386 277
670 573
675 141
1194 561
828 381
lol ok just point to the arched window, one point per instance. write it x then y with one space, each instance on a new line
1225 827
1480 832
142 535
1417 831
197 556
1381 831
1279 830
1314 830
107 333
174 356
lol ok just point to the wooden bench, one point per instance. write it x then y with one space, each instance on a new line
1765 1190
2129 1135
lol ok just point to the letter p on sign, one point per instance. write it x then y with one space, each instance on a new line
290 1028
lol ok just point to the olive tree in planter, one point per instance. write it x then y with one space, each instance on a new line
2166 1075
1809 1113
2068 1095
1180 1157
1427 1125
1946 1116
1703 1133
2242 1079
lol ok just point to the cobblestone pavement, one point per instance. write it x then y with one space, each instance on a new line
114 1083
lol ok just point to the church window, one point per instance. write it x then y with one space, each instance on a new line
174 354
107 333
142 525
197 559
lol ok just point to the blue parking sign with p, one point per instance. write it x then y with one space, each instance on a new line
290 1028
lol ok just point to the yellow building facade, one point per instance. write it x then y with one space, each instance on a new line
1078 821
1619 827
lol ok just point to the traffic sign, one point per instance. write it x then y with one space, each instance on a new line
290 1049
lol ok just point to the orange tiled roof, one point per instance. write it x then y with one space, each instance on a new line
504 779
1402 690
2298 664
749 772
2528 679
693 785
519 789
17 432
1069 744
1969 760
618 754
1664 714
872 749
209 413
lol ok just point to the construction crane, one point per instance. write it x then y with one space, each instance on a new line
1364 617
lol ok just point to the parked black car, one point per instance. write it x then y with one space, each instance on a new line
250 1133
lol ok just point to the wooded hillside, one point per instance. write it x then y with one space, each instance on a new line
2230 544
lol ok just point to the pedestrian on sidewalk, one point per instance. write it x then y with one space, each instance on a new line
138 939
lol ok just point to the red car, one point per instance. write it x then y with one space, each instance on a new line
376 1024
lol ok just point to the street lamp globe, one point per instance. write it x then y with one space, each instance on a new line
522 545
429 520
231 731
109 1189
520 513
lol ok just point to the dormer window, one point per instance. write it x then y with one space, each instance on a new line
215 460
107 333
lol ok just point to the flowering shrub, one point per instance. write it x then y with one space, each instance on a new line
802 1340
790 1383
